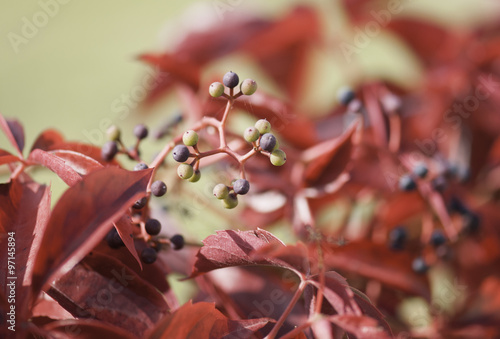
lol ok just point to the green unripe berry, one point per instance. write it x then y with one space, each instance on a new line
185 171
248 86
251 134
190 138
263 126
278 157
216 89
196 176
221 191
231 201
113 133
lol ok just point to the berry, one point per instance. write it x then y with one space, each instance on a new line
241 186
439 183
158 188
148 255
406 183
221 191
231 79
471 222
140 203
190 138
420 170
251 134
397 238
180 153
177 242
345 95
263 126
457 205
419 265
140 166
185 171
140 131
437 238
109 150
153 226
248 86
113 239
267 142
216 89
113 133
231 201
196 176
278 157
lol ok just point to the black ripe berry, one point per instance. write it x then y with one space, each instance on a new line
140 203
406 183
437 238
148 255
419 265
241 186
158 188
140 166
397 238
113 239
177 242
109 150
471 223
153 227
180 153
267 142
345 95
439 183
140 131
231 79
457 206
420 170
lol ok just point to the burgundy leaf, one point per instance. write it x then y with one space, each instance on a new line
47 139
124 227
370 310
362 327
56 165
25 209
14 132
75 228
112 293
85 329
7 158
202 320
48 307
81 163
91 151
232 248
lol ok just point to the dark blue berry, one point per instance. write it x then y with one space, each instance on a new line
177 242
140 203
158 188
406 183
420 170
471 223
439 183
419 265
148 255
113 239
437 238
231 79
140 131
345 95
457 205
397 238
180 153
267 142
153 227
241 186
140 166
109 150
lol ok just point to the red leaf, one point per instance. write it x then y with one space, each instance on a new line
84 215
202 320
378 262
124 227
7 158
46 139
14 132
25 209
56 165
362 327
85 329
233 248
327 160
91 151
112 293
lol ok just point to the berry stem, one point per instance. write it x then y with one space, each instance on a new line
319 297
297 330
287 311
222 124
